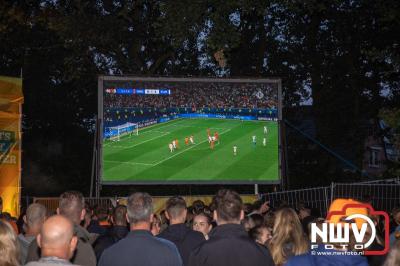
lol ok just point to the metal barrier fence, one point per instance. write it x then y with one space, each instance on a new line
383 194
317 198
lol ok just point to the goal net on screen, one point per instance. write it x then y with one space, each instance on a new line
127 129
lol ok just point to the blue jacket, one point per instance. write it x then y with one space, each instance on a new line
317 257
141 248
392 237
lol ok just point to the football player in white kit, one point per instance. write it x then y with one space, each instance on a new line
264 141
171 147
174 144
235 150
254 140
265 130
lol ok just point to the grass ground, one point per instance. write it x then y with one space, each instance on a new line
146 157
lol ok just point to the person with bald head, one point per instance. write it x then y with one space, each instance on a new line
72 206
33 221
57 242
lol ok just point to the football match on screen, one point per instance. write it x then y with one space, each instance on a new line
200 131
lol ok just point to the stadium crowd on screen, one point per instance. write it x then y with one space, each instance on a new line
200 96
227 232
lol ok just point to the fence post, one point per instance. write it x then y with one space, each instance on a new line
332 191
326 199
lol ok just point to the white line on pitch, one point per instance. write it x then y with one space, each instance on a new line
157 163
128 147
132 163
158 131
222 128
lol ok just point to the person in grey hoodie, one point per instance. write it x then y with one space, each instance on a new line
33 220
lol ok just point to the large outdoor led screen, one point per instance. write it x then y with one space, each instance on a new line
189 130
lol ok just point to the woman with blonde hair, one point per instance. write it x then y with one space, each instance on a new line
288 238
9 252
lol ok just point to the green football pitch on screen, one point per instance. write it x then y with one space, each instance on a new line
147 158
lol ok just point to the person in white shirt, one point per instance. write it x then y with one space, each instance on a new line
174 144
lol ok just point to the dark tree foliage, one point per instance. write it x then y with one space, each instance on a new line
343 56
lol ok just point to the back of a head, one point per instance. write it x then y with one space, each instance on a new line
35 214
258 219
56 236
71 205
175 207
257 204
198 206
393 258
57 230
247 208
9 254
139 208
287 229
228 206
248 223
101 213
119 215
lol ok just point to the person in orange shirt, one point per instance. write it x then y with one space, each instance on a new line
177 143
216 136
186 141
208 132
212 144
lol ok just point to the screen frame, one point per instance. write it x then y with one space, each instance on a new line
100 87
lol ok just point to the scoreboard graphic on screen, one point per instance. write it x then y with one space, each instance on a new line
189 130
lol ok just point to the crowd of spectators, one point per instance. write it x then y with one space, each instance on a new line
227 232
199 95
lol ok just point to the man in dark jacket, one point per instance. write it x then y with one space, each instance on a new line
118 231
229 243
185 239
72 206
140 247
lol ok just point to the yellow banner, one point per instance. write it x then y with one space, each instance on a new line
11 99
11 90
